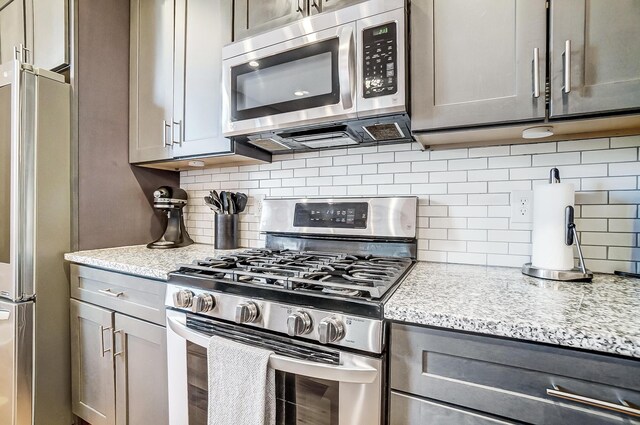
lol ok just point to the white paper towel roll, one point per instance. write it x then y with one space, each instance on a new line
549 228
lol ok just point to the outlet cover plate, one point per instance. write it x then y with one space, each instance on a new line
522 206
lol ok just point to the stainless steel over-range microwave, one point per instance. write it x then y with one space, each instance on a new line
332 79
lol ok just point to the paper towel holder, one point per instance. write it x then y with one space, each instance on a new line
577 274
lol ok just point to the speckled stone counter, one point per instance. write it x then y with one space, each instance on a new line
603 315
141 261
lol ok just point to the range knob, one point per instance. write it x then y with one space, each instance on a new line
330 329
183 298
247 312
299 323
203 303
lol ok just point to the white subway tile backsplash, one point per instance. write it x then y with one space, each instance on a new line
583 145
556 159
463 194
625 142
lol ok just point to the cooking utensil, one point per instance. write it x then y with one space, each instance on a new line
232 203
212 203
216 197
241 201
225 202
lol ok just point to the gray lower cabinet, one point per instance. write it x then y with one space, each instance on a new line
600 72
42 26
447 377
176 78
477 62
119 361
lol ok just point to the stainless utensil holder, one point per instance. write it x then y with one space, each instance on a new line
226 231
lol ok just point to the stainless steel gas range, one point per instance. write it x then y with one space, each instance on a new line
314 296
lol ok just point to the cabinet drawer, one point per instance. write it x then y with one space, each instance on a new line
408 410
509 378
135 296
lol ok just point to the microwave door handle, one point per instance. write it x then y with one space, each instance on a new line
353 375
346 66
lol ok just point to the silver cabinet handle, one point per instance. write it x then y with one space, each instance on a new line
536 72
624 407
165 125
121 351
346 66
110 292
102 349
180 138
567 66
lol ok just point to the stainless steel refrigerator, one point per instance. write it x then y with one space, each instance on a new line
35 204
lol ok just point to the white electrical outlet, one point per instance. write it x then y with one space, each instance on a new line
522 206
257 211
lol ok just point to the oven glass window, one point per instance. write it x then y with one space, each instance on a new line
5 172
294 80
300 400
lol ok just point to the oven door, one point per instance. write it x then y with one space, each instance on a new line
307 392
302 81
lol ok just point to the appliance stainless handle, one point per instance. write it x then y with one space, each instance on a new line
121 351
5 314
110 292
567 66
355 375
102 349
623 407
165 125
180 138
536 72
346 67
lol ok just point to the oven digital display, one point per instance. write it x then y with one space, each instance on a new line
342 215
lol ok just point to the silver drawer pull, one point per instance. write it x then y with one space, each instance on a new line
624 407
110 293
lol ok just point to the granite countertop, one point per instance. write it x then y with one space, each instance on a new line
603 315
141 261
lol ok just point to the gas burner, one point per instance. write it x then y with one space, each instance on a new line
342 291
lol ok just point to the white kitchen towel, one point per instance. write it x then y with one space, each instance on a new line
242 389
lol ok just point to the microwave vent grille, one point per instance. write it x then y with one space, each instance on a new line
270 145
389 131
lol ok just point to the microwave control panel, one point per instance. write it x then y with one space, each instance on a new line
380 60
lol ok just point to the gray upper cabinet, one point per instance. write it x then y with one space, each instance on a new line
319 6
601 72
176 80
477 62
197 110
255 16
151 80
42 26
12 29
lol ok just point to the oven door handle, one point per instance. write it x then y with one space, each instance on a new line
346 66
352 375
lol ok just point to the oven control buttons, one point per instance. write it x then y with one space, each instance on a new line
330 329
183 298
247 312
203 303
299 323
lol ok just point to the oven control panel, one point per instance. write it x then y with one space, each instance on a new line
340 215
380 61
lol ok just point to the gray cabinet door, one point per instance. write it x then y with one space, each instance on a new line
408 410
151 80
12 28
202 28
319 6
93 385
255 16
604 61
140 352
474 63
48 32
